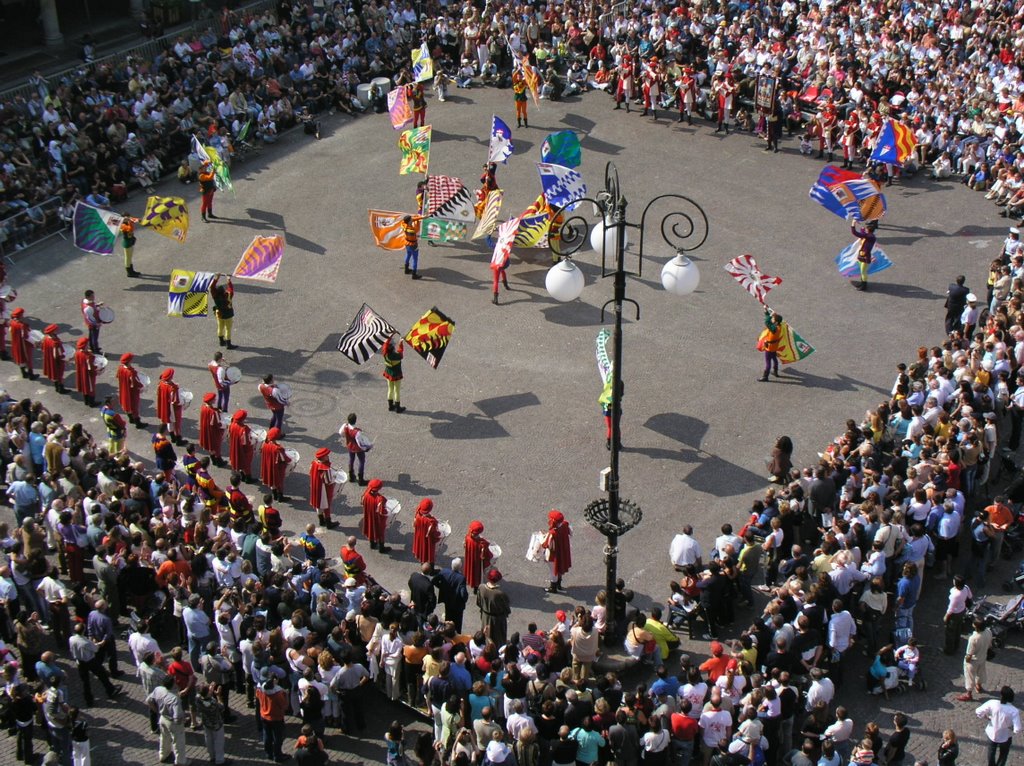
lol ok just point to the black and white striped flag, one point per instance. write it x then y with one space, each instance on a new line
365 335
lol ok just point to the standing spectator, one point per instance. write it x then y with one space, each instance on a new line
949 749
83 651
211 713
715 725
100 628
58 719
494 608
959 595
197 627
976 660
166 703
273 704
453 593
584 640
896 748
1003 722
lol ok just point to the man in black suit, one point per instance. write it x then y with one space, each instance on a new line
452 591
956 300
421 591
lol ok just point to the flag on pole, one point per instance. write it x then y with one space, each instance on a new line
365 335
534 224
792 348
500 147
94 229
895 144
386 227
221 174
430 336
562 186
415 146
845 193
489 216
745 271
399 108
422 64
188 293
849 266
503 247
443 230
604 362
562 148
261 260
167 216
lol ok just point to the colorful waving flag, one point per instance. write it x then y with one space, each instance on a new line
440 190
95 230
386 227
562 186
848 265
221 174
261 260
503 247
415 146
399 108
744 270
365 335
443 230
422 64
792 348
896 143
430 336
500 147
846 194
534 224
604 362
489 217
188 294
562 148
167 216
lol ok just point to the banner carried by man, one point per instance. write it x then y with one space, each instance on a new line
94 229
430 336
422 64
500 147
415 146
365 336
399 108
562 148
745 271
261 261
489 216
503 246
188 293
562 186
167 216
386 228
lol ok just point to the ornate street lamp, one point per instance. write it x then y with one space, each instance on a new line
683 230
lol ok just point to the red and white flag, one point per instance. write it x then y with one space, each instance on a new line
503 247
744 270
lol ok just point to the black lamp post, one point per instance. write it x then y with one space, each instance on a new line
683 230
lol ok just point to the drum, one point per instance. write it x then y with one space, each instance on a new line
105 314
393 508
232 375
186 399
69 352
294 456
259 435
363 94
339 476
284 392
444 528
8 293
364 442
225 420
35 337
144 379
495 551
101 363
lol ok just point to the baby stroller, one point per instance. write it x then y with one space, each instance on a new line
902 637
1000 618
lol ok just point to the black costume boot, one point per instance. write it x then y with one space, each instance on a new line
399 408
391 406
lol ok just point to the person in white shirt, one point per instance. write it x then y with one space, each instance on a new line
840 733
821 689
727 538
1003 722
684 550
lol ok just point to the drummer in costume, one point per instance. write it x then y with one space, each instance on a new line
85 371
115 426
865 232
418 101
241 445
651 88
558 551
211 428
686 92
129 388
128 243
350 433
218 371
274 464
519 98
9 295
392 352
224 310
375 515
275 403
163 453
478 555
851 139
91 315
207 188
724 89
624 88
426 533
21 349
411 232
168 405
53 358
321 486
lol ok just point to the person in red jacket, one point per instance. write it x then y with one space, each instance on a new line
375 515
168 405
274 464
85 371
129 389
53 358
425 533
321 486
478 555
241 445
21 349
558 550
211 428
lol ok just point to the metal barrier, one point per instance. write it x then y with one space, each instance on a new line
31 225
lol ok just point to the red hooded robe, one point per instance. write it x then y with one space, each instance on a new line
557 543
321 482
241 447
85 368
53 355
478 555
375 515
211 430
273 461
425 534
129 387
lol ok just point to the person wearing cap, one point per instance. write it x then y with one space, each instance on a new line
391 353
768 342
274 464
557 549
321 486
274 401
115 426
1011 245
519 97
425 533
53 358
241 445
624 87
970 315
207 188
956 301
723 90
21 348
168 405
865 232
651 88
494 608
375 515
211 428
686 93
90 313
127 231
478 554
85 372
129 387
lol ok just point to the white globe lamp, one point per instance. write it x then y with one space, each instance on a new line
680 276
564 282
603 234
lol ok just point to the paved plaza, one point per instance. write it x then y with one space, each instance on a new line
509 424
